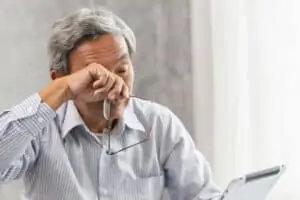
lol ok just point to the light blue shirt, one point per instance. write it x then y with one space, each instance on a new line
60 159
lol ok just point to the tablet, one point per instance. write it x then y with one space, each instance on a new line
253 186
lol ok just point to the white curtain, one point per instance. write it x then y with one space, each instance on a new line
256 78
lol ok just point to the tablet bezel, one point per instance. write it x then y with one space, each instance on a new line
254 176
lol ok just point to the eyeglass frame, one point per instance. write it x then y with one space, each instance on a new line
109 150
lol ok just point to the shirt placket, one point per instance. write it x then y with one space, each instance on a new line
104 171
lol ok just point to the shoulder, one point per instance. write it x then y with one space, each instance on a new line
159 117
151 110
167 130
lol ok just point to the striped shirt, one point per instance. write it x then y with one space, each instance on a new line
58 158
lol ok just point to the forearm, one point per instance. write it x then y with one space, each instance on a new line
56 93
25 121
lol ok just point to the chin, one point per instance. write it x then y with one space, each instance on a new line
117 111
117 114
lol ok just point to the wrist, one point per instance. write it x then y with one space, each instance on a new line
57 93
63 84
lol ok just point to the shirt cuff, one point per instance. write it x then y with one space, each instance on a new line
33 114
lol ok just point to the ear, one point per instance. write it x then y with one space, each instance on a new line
54 74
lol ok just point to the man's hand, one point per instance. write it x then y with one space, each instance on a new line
93 83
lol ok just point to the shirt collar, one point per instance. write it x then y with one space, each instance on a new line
131 119
69 118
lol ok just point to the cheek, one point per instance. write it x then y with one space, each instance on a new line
130 79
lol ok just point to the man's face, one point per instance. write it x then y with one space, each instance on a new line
110 51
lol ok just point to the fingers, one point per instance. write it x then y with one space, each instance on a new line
107 84
97 72
102 87
125 91
115 92
100 81
113 89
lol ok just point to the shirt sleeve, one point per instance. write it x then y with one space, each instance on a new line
188 174
20 129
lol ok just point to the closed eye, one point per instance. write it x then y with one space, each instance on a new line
122 69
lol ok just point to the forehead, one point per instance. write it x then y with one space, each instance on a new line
104 50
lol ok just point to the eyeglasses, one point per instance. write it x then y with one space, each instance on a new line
109 150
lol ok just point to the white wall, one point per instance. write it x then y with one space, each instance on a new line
202 76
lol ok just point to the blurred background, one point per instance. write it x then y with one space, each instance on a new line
228 68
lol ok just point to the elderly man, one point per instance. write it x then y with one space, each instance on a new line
85 137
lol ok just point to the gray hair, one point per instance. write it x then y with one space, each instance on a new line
85 23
